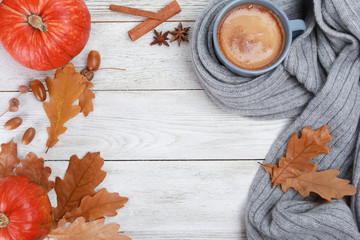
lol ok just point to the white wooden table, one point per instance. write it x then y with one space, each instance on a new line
185 164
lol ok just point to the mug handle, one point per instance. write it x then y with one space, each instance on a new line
297 27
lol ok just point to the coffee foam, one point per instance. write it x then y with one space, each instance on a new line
251 37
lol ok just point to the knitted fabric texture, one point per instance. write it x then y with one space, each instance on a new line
317 84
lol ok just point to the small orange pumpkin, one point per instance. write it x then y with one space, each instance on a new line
25 209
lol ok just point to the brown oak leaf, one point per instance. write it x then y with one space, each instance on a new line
81 178
300 152
79 230
8 159
64 90
269 168
86 99
33 167
324 183
101 204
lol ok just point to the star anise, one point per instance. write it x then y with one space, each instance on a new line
180 34
160 38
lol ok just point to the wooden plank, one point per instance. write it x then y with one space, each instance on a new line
178 200
148 67
154 68
164 125
99 9
187 235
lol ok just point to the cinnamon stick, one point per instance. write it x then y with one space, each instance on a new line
136 12
140 30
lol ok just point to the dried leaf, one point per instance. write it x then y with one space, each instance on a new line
33 167
86 100
79 230
101 204
8 159
325 183
64 90
269 168
81 178
294 169
300 152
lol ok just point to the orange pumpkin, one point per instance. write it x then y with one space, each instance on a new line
25 210
44 34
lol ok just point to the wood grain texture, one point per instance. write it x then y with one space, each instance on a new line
187 235
165 125
182 161
147 67
148 25
178 200
136 12
100 12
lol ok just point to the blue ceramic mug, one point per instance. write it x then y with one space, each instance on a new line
292 28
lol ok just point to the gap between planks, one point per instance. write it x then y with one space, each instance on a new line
186 235
171 21
126 90
175 160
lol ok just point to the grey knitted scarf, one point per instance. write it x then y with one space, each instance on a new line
317 84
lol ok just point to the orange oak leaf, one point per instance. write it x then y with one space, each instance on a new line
33 167
8 159
86 99
81 178
101 204
79 230
269 167
300 152
64 90
324 183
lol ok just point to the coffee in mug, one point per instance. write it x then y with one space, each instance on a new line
251 37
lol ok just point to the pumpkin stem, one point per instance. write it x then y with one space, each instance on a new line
4 220
37 22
